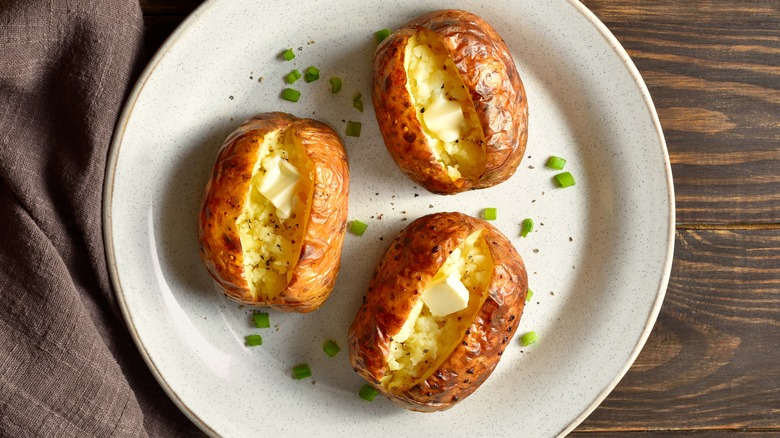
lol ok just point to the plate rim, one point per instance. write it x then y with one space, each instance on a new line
169 43
108 186
671 220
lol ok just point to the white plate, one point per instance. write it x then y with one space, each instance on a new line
598 261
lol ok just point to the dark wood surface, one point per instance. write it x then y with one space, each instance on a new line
712 363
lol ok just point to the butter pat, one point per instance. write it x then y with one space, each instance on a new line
444 119
278 185
445 295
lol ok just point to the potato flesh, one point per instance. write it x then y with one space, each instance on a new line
425 341
271 246
431 77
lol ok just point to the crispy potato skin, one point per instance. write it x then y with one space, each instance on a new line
399 279
220 245
488 72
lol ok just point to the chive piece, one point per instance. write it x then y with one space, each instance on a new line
301 371
529 295
292 76
331 348
564 180
358 227
526 227
357 102
288 55
335 84
253 340
261 320
368 392
490 214
528 339
353 128
556 163
291 95
311 74
382 34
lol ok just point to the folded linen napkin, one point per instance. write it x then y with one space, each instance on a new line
68 366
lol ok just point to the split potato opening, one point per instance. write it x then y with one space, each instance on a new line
273 222
440 318
444 107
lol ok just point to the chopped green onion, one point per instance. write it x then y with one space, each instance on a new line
529 295
357 102
291 95
528 339
556 163
564 180
358 227
353 129
368 392
382 34
331 348
490 214
527 226
288 55
261 320
311 74
253 340
301 371
335 84
292 76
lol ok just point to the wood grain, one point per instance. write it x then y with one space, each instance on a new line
713 70
713 358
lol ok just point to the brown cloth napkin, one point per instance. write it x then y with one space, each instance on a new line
68 367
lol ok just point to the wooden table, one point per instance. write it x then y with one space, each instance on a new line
712 362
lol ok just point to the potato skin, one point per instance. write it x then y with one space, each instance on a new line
488 72
220 245
398 281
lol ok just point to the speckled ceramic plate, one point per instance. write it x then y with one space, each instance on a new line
598 260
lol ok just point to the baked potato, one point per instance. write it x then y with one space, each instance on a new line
442 305
450 102
272 223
